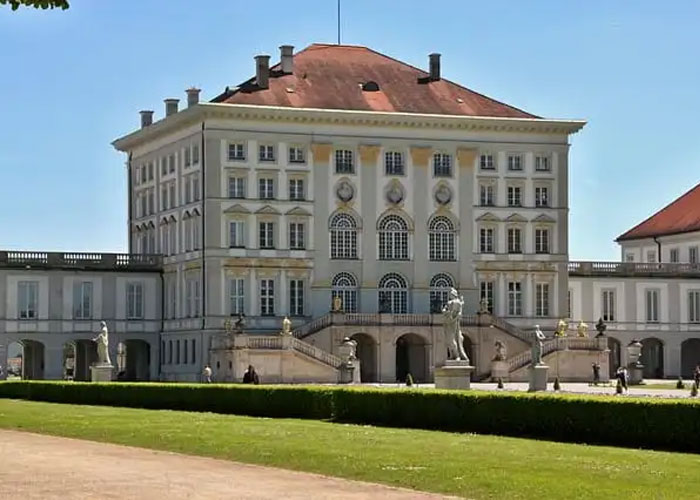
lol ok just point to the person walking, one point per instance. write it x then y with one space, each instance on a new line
206 374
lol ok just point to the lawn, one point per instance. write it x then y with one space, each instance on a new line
463 464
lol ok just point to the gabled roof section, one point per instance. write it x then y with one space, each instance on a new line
237 209
488 217
515 218
543 218
680 216
333 76
268 210
299 211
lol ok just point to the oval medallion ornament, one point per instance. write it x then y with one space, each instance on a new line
395 194
345 191
443 195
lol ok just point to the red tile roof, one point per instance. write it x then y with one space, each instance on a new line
330 77
681 216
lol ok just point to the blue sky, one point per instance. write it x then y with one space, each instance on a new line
72 81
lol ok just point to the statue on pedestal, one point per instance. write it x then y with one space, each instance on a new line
582 329
452 312
286 326
102 340
500 348
337 304
561 328
537 346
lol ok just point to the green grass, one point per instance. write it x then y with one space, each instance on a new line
469 465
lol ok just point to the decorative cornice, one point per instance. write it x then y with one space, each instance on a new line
237 209
268 210
488 217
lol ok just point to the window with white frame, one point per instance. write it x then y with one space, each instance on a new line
514 196
165 239
343 229
196 195
608 306
236 290
441 235
515 298
144 173
393 163
515 162
541 196
134 301
673 255
82 300
173 237
486 162
236 151
694 306
172 297
150 171
267 297
652 306
296 189
171 164
486 195
151 202
189 297
296 154
651 256
164 197
440 286
195 154
393 294
267 235
187 157
193 344
344 163
541 240
188 234
236 234
296 297
186 193
296 236
195 223
442 165
393 238
28 299
266 152
344 285
693 255
177 352
171 195
266 189
486 240
542 163
486 293
236 187
514 240
163 166
541 299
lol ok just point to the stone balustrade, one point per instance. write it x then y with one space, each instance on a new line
632 269
16 259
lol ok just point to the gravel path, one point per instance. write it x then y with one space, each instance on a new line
42 467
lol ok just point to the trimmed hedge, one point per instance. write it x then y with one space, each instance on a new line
668 424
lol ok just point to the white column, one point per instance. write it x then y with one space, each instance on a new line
253 293
501 294
282 236
252 240
529 295
284 301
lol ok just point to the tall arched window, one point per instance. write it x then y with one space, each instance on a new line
439 290
393 238
393 294
344 285
343 237
442 239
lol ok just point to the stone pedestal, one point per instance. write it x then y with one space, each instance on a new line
453 375
538 378
346 373
101 373
635 373
500 369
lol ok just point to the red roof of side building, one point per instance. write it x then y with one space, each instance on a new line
680 216
331 77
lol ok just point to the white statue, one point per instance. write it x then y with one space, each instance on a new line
537 346
452 311
582 329
102 340
286 326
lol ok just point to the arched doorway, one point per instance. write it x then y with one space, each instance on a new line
25 359
690 357
653 358
614 359
367 354
133 360
85 355
411 357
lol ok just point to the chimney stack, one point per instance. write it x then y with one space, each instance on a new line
262 71
170 106
434 67
287 59
192 96
146 118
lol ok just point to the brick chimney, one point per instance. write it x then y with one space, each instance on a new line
146 118
287 59
192 96
434 67
171 106
262 71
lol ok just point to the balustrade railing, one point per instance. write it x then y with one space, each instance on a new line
316 353
80 260
632 268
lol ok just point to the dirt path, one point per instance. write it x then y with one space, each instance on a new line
34 466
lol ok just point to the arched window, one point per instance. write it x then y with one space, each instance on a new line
343 237
393 294
393 238
442 239
344 285
439 289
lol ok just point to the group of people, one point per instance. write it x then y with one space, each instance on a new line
249 377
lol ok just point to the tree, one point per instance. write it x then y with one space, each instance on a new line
37 4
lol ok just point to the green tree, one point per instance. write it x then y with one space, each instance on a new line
37 4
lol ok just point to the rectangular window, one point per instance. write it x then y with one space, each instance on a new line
344 162
486 293
608 308
541 196
266 152
151 202
177 352
651 256
134 301
296 236
486 162
163 166
28 299
542 163
172 298
266 189
236 187
171 164
674 255
541 299
296 154
236 151
150 171
143 173
393 163
515 162
195 154
82 300
486 197
515 299
164 198
514 240
693 255
652 302
170 352
442 165
188 157
267 233
694 306
186 190
236 296
171 195
193 344
236 234
296 297
541 240
296 189
486 240
267 297
195 188
514 196
173 238
195 233
192 291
